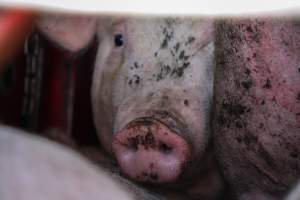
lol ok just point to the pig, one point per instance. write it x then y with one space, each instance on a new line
151 94
33 168
257 105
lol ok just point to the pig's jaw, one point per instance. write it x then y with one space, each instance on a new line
148 151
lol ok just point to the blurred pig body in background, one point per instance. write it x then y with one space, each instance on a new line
151 94
257 92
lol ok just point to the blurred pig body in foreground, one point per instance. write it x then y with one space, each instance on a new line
151 94
295 193
257 116
33 168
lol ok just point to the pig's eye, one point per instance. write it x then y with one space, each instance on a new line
119 40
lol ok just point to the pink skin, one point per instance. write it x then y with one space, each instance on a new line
257 93
278 80
150 152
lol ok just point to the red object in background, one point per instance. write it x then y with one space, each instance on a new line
49 89
57 88
14 27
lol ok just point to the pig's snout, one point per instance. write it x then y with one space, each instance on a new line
148 151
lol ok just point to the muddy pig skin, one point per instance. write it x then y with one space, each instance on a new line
257 107
33 168
151 94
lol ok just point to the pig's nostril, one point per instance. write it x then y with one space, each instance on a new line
164 148
132 144
133 147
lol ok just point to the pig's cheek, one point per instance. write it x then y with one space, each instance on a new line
108 64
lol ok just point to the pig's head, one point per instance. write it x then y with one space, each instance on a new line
152 93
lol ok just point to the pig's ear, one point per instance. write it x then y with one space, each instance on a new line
72 32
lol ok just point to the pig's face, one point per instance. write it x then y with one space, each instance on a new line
151 91
151 94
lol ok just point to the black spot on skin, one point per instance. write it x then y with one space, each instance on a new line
164 44
285 43
186 102
135 79
136 65
273 99
176 47
248 72
246 84
151 165
254 33
155 54
182 56
299 70
154 176
165 30
172 53
164 71
268 84
234 109
261 125
262 102
249 29
298 96
179 71
254 55
238 139
168 35
191 39
149 139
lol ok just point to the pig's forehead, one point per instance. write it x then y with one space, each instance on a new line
157 30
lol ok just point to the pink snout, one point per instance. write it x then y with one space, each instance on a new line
150 152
